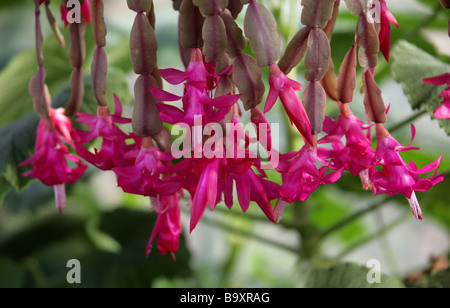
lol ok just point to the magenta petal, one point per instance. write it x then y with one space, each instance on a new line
279 209
173 76
432 166
170 114
204 193
271 99
224 101
443 112
212 181
164 96
438 80
243 191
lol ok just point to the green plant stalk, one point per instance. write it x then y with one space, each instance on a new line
372 237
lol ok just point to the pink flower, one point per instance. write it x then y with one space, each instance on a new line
386 18
168 225
301 176
85 12
357 155
50 160
442 112
114 147
397 176
285 88
197 99
210 180
147 172
206 191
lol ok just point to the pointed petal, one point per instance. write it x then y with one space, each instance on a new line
164 96
173 76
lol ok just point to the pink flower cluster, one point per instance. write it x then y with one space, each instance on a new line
235 173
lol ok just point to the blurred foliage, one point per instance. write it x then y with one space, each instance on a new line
36 243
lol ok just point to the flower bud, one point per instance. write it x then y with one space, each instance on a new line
373 100
98 23
77 92
98 72
347 76
368 41
37 88
190 25
77 49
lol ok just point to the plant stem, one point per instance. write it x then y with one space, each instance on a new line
408 120
372 237
344 222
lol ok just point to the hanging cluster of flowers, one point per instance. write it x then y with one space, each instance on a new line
215 162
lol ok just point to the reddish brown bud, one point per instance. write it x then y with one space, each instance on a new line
77 92
99 69
329 82
98 23
36 88
77 49
347 76
373 100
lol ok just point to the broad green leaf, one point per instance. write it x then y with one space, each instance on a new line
410 65
348 275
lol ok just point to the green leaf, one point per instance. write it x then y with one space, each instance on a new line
410 65
13 275
348 275
440 279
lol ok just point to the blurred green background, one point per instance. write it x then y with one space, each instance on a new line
323 242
